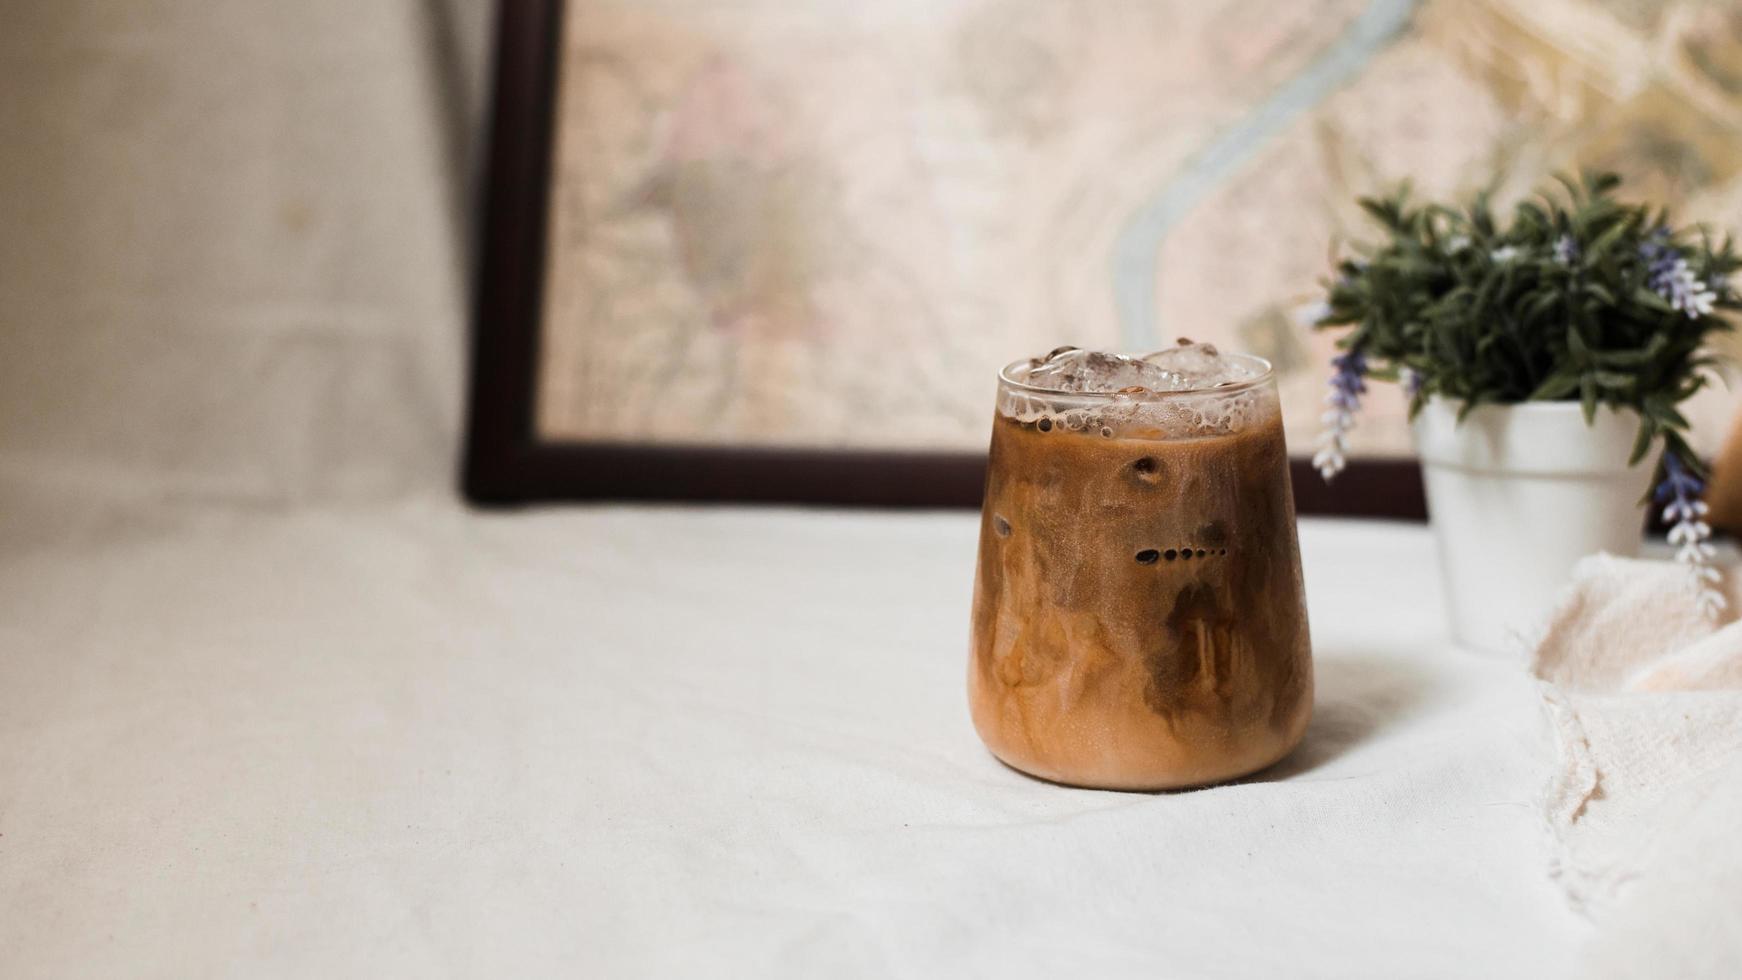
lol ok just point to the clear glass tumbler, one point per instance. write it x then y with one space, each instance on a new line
1139 618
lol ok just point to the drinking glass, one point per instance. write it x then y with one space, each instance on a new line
1139 618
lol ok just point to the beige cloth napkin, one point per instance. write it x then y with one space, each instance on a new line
1646 807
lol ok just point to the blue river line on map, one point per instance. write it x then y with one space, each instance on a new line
1137 249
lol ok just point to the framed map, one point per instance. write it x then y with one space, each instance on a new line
777 249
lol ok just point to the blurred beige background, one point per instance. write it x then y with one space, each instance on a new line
233 244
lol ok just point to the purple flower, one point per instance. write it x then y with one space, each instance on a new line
1687 293
1348 383
1668 274
1659 256
1689 533
1679 482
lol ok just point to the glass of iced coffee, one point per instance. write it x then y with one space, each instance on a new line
1139 619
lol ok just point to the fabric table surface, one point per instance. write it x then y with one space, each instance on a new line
410 739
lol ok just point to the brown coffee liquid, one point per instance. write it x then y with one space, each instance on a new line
1139 616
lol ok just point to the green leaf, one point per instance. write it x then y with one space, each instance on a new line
1650 300
1576 345
1607 239
1556 387
1632 358
1641 442
1544 302
1664 413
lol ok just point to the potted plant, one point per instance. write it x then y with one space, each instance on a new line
1543 358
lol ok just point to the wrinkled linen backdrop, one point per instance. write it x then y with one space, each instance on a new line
271 702
234 242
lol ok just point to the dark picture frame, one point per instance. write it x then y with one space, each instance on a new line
507 463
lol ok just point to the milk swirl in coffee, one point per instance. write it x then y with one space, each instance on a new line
1139 620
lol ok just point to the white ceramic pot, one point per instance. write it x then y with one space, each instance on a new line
1517 494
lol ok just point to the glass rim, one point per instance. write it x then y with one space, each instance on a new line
1266 372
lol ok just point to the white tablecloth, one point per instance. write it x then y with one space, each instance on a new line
411 740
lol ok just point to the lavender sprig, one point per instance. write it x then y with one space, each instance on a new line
1685 512
1686 292
1669 275
1348 383
1659 257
